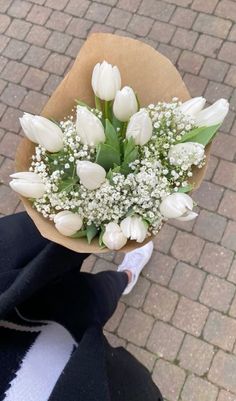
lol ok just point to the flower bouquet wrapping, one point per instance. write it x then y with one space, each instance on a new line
117 149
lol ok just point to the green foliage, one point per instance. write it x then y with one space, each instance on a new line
80 234
202 135
108 153
130 155
91 232
186 189
80 103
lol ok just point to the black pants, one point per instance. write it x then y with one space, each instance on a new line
43 279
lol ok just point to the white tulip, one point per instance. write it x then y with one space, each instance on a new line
187 154
125 104
42 131
213 114
67 223
140 127
89 127
28 184
134 227
113 236
106 80
193 106
91 175
178 206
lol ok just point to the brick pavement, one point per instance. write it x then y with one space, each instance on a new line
180 320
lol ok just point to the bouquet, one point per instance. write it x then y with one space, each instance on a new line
120 169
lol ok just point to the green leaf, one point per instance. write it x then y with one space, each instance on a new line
66 184
91 232
202 135
138 102
111 136
79 234
130 155
188 188
107 156
100 241
111 173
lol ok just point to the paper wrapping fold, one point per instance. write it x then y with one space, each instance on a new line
149 73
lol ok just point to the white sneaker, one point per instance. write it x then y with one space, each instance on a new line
135 261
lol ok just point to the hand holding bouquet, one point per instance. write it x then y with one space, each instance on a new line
118 170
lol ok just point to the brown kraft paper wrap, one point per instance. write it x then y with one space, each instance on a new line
152 76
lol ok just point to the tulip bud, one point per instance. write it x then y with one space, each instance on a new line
67 223
134 227
106 81
89 127
125 104
91 175
193 106
28 184
113 237
42 131
140 127
213 114
178 206
186 154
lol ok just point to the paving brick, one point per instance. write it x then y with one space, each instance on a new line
10 119
2 109
184 39
216 259
208 45
20 208
3 84
7 168
228 122
229 238
226 9
190 62
190 316
187 247
208 195
77 8
145 357
35 78
224 146
195 85
103 265
204 6
9 144
8 200
56 63
14 71
34 102
196 389
137 296
135 326
187 280
183 3
140 25
15 49
228 52
58 5
79 27
232 273
13 95
220 330
162 373
210 226
98 12
38 14
4 5
195 355
58 21
51 84
225 174
169 51
58 42
3 42
105 28
232 311
227 206
232 34
217 293
160 268
212 25
165 341
162 32
183 17
215 90
74 47
36 56
153 8
119 18
114 321
160 302
162 242
214 69
129 5
88 264
38 35
114 340
18 29
211 166
226 396
4 22
223 371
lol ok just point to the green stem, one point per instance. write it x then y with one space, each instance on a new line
123 130
106 104
98 103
